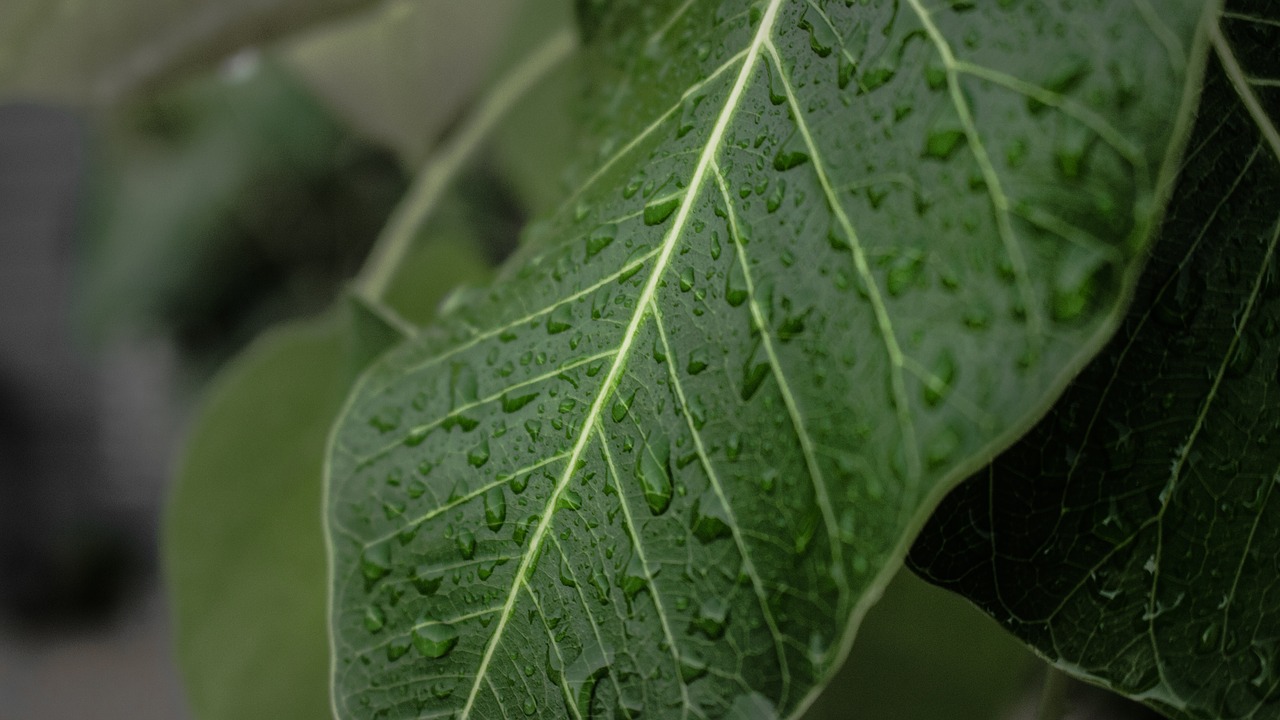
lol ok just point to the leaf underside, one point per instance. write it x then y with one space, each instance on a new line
816 271
1133 535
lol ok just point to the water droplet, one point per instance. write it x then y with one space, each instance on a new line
529 707
466 542
774 201
521 530
821 38
425 584
789 157
463 382
495 508
944 372
435 640
691 667
622 406
653 474
479 455
560 319
713 616
905 273
686 279
397 648
569 500
710 520
657 212
697 361
566 573
688 115
374 618
600 238
375 562
512 403
753 377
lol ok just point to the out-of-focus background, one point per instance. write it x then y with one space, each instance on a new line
177 177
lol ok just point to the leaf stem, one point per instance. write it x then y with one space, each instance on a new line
443 164
1053 695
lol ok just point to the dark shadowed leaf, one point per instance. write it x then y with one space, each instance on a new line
1133 536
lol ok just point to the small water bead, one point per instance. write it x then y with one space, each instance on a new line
479 455
622 406
600 238
374 618
375 562
495 508
654 476
560 319
712 618
697 361
435 640
466 542
397 648
657 212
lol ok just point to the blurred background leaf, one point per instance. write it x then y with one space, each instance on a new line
93 52
223 204
244 548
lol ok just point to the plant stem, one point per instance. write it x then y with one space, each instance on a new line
444 163
1053 696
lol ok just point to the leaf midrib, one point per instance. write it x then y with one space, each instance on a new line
714 140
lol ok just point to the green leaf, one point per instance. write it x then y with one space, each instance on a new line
244 548
243 539
400 74
98 52
1132 537
817 271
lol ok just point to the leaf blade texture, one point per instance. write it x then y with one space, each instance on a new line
668 460
1136 522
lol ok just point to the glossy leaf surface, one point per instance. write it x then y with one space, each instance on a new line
1133 536
816 272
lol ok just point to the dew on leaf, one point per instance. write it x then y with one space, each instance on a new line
657 212
435 640
466 541
654 476
495 508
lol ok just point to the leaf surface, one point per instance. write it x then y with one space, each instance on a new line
1132 537
668 461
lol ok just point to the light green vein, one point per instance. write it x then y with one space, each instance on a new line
591 618
910 445
816 476
1000 201
714 140
735 527
546 625
363 461
1109 134
388 252
634 531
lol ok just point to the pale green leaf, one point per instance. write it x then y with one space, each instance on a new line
816 272
1132 537
96 51
400 74
244 548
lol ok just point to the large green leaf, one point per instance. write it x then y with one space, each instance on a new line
819 269
243 539
1133 536
96 52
